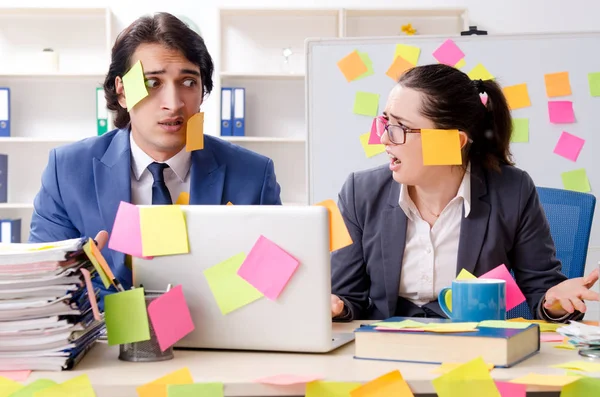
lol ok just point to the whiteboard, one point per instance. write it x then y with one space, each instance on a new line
334 150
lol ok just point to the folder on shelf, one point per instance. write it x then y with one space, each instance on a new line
101 112
10 231
3 178
239 124
4 111
226 109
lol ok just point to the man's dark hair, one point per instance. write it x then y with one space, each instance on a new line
161 28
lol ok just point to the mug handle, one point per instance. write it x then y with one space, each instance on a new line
445 301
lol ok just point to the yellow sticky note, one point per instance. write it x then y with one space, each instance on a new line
183 199
585 366
134 85
390 384
576 180
230 291
408 52
452 327
366 103
398 67
164 231
158 387
32 388
582 387
447 367
330 389
79 386
460 64
441 147
88 249
370 150
339 237
545 380
479 72
194 134
471 379
8 386
213 389
557 84
566 346
517 96
520 132
544 325
400 324
352 66
503 324
464 274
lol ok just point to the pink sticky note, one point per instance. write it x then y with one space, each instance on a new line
549 337
286 380
569 146
375 137
170 317
268 268
17 376
448 53
126 235
508 389
561 112
514 296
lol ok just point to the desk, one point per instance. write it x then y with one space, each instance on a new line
111 377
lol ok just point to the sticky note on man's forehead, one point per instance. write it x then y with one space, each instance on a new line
134 85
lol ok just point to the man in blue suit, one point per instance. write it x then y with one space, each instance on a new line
144 161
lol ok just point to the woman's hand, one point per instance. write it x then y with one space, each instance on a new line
337 306
101 239
569 295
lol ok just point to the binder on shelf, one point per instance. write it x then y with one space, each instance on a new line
239 124
3 178
226 112
10 231
101 112
4 111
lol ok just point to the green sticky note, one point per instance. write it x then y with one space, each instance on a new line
134 85
330 389
196 389
594 81
78 386
230 290
126 317
471 379
502 324
520 133
8 386
368 63
34 387
585 386
366 103
576 180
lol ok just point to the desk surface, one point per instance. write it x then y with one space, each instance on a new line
237 370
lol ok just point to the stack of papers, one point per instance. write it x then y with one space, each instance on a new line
48 312
581 335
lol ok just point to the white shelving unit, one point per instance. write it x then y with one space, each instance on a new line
251 56
49 106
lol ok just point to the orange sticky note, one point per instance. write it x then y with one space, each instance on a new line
339 237
91 250
390 384
398 67
229 203
194 135
557 84
158 387
441 147
517 96
183 199
352 66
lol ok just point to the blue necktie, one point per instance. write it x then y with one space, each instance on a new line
160 191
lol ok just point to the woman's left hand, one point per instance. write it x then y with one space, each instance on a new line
569 295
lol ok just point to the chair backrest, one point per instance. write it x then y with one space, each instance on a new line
570 216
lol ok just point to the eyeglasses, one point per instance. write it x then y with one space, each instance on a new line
396 133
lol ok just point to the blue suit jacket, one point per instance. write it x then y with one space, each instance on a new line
84 183
506 225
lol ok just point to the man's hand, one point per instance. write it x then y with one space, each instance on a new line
337 306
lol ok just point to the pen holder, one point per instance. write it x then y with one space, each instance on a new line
148 350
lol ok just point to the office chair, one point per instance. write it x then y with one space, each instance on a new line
570 216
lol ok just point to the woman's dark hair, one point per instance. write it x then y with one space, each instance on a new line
452 101
160 28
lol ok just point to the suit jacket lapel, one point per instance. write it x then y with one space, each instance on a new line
473 228
207 178
393 239
112 180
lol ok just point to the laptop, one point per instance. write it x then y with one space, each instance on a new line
298 320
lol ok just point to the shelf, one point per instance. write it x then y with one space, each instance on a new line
414 12
260 139
303 12
52 74
35 11
37 140
15 206
267 76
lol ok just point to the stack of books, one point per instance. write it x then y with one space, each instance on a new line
48 313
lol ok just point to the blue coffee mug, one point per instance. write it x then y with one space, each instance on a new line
475 300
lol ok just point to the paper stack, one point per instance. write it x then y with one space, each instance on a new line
48 313
581 335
